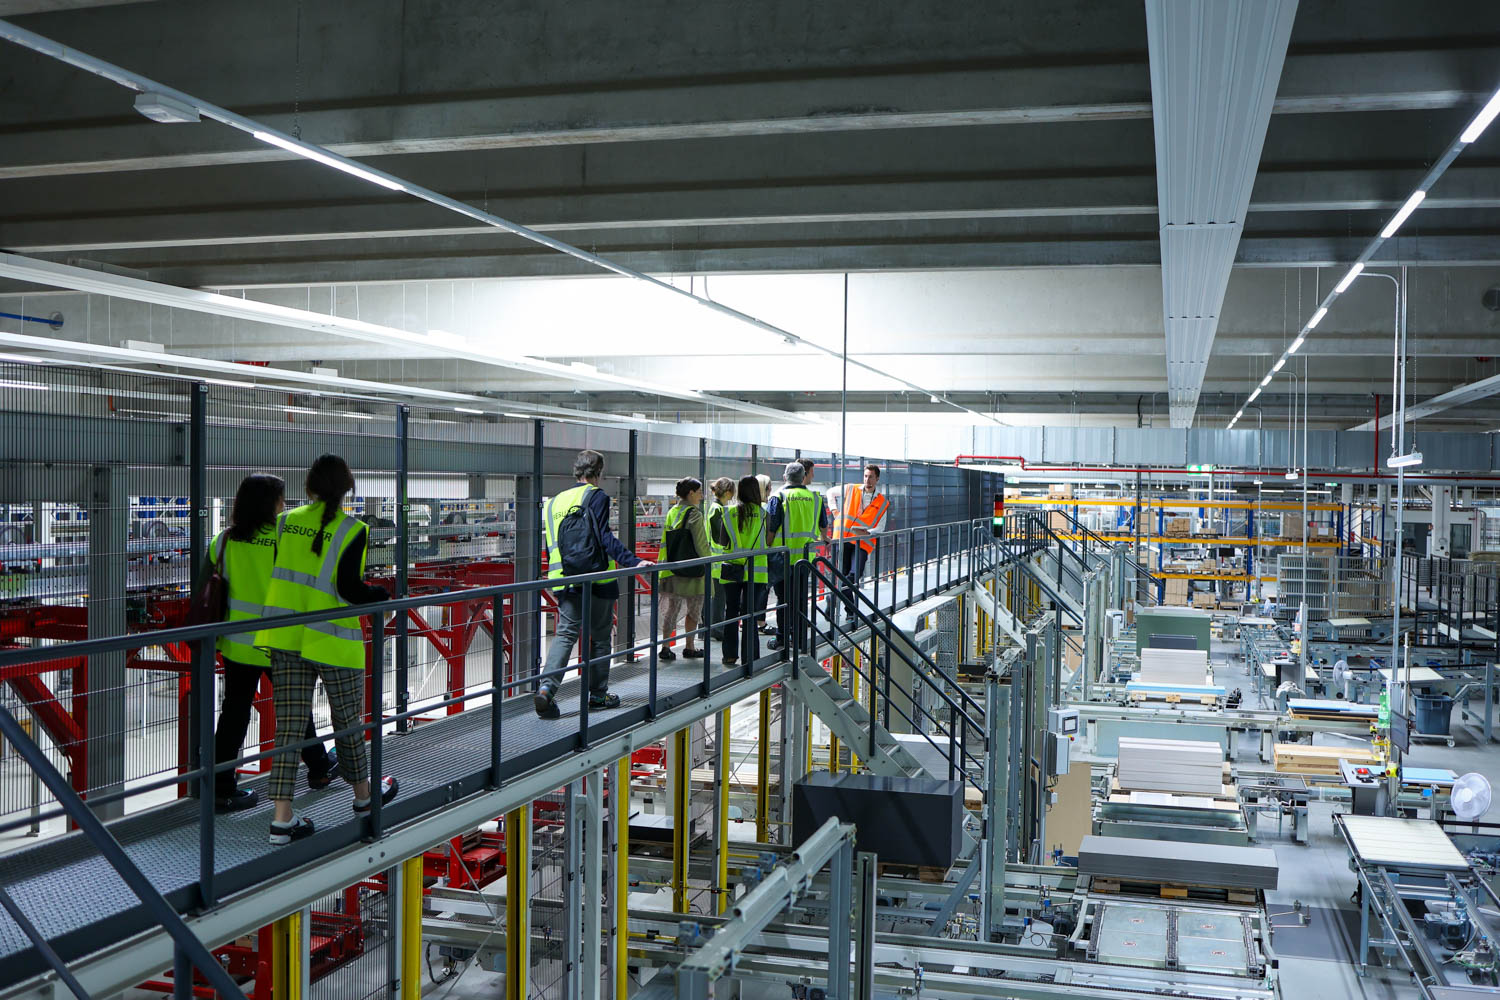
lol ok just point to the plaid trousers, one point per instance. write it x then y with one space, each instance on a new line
292 680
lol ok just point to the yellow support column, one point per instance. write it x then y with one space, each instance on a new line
288 957
854 692
517 898
681 790
763 772
721 820
411 929
620 807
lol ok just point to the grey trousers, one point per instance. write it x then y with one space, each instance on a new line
570 628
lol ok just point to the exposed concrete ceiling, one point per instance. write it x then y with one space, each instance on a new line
987 173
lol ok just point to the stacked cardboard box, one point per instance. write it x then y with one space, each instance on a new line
1179 527
1203 599
1058 521
1291 525
1176 592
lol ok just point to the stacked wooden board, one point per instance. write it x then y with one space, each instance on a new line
1178 862
1186 766
1300 758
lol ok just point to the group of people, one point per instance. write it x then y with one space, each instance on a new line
743 516
274 561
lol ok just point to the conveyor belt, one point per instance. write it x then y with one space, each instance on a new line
80 904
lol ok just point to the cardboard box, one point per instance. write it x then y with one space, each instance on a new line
1291 525
1179 527
1058 521
1202 600
1062 490
1176 592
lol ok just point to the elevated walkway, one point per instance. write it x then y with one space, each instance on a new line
80 904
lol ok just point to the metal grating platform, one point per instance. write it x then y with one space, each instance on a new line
80 904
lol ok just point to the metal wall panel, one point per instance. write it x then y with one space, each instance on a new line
1078 445
1452 452
1356 450
1222 447
1319 450
1150 446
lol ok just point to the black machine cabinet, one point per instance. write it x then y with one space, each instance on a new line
906 821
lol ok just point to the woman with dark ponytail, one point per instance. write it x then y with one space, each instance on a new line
320 565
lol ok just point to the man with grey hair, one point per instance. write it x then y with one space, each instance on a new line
796 521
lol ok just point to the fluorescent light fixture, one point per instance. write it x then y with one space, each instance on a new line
1258 482
1253 395
1402 214
1291 475
233 383
294 147
1348 279
6 383
1265 381
466 409
164 109
1317 317
935 399
1482 120
299 409
1280 364
143 345
360 416
1405 461
1239 414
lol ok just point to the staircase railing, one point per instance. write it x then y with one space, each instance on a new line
963 725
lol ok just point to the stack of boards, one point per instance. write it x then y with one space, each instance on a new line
1134 859
1302 758
1174 667
1185 766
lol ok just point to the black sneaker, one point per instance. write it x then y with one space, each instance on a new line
545 707
604 701
325 777
388 789
775 644
284 833
666 654
240 798
692 654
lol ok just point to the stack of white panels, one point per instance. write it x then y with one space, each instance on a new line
1170 766
1174 666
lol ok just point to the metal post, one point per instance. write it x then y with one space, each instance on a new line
497 688
997 798
409 902
721 815
840 893
104 693
403 558
573 890
517 902
377 719
680 788
763 770
863 982
593 884
627 608
619 826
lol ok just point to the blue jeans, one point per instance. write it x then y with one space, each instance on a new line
569 627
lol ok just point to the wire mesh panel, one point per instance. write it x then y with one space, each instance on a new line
351 945
551 937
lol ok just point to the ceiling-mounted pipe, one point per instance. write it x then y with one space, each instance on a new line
55 320
1170 471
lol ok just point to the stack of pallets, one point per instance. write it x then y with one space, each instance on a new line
1301 758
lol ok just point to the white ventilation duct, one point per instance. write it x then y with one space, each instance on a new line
1215 65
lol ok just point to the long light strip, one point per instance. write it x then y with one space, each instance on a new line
143 84
84 279
1471 132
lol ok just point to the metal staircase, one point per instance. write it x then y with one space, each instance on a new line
851 723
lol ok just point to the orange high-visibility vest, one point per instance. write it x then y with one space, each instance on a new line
857 513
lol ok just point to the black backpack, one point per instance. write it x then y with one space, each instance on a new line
578 543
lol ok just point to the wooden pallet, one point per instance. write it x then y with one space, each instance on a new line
1301 758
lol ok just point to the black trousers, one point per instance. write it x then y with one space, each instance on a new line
852 560
241 681
741 599
791 594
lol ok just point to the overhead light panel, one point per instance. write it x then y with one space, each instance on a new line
1280 363
935 399
466 409
1265 381
6 383
1348 279
1317 318
327 161
1291 474
1402 215
1295 345
1253 395
1482 120
164 109
1405 461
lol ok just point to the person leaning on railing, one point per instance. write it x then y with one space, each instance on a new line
244 554
745 577
592 503
683 537
319 565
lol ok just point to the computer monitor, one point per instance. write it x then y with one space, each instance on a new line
1400 732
